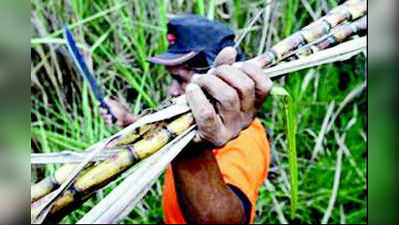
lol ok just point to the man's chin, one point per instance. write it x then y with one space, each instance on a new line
175 95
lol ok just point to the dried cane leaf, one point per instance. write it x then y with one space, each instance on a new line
67 157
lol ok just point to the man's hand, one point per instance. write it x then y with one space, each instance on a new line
237 91
121 112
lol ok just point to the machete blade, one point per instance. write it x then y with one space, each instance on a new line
84 71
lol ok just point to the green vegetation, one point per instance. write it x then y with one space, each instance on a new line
327 109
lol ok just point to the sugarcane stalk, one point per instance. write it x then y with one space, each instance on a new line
348 11
101 174
337 35
53 181
338 53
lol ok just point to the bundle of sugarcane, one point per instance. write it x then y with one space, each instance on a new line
153 137
311 46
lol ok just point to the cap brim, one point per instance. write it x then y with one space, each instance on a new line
172 59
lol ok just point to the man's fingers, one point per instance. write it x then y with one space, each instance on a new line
226 56
108 119
228 101
111 103
263 84
106 116
244 85
205 115
117 108
131 118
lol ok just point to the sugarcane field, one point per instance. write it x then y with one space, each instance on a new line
199 111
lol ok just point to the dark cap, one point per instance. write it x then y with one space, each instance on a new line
196 38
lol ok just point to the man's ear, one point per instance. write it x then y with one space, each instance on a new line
226 56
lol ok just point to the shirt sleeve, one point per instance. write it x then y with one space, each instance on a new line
243 162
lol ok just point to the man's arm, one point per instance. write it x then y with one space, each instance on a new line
203 195
223 102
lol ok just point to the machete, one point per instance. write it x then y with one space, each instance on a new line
84 71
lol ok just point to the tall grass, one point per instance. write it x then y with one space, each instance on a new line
116 37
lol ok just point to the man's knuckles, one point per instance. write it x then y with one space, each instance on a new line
248 86
225 94
209 82
230 100
250 68
231 86
262 83
264 87
268 84
237 78
206 119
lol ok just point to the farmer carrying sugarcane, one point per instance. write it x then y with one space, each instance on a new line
217 178
233 173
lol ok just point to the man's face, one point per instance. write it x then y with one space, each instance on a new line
181 76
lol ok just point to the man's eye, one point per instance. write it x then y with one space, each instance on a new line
177 77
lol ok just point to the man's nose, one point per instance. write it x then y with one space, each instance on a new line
175 89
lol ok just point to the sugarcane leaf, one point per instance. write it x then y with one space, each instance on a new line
290 118
48 40
90 18
278 91
67 157
292 156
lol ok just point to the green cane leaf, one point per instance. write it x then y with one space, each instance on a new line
290 118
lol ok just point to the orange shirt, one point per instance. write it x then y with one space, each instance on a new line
243 162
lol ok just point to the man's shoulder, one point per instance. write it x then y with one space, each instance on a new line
251 140
257 124
254 132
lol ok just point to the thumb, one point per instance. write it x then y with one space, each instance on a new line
226 56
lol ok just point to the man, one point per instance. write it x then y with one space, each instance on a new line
215 180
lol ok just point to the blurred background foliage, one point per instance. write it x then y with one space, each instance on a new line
330 101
